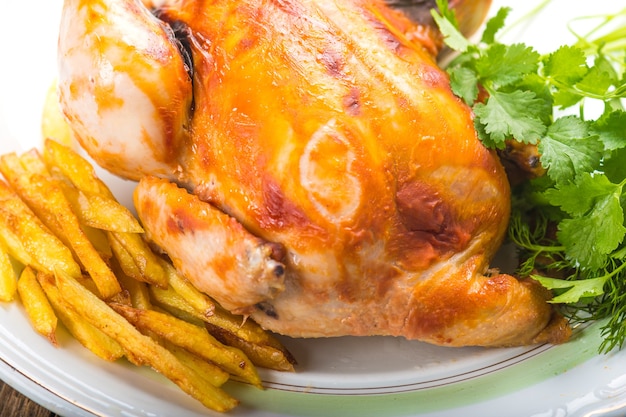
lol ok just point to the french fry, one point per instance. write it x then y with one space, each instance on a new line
75 168
137 290
87 335
136 258
212 374
36 304
141 349
100 242
18 177
259 346
98 206
194 339
28 240
264 355
99 271
170 301
199 301
8 277
245 329
46 198
101 212
18 169
32 163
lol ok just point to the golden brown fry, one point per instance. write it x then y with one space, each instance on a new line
137 290
17 175
36 304
75 168
124 259
100 242
198 300
89 336
18 169
261 347
46 198
8 277
211 373
101 212
91 199
57 215
141 349
262 355
194 339
170 301
32 163
28 240
136 258
99 271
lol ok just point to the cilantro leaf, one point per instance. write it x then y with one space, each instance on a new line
564 99
567 65
596 226
590 239
534 83
567 196
502 65
451 34
515 114
613 165
567 149
494 25
611 129
464 83
596 82
446 12
575 290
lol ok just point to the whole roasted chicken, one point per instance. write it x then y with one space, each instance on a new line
304 163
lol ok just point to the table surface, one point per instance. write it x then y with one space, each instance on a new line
12 403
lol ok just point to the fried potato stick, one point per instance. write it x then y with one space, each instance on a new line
28 240
199 301
8 277
137 290
136 258
101 212
141 349
36 304
259 346
87 335
194 339
211 373
44 195
76 169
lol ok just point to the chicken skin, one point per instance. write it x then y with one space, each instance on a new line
304 163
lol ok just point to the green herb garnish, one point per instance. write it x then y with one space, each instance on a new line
569 225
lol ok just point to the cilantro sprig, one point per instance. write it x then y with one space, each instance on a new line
569 225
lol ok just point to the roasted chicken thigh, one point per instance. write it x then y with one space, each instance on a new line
303 162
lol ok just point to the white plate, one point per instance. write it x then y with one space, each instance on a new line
344 376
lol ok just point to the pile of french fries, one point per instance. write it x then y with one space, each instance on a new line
72 254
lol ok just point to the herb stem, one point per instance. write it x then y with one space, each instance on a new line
533 12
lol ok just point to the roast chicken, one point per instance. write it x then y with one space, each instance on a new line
304 163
